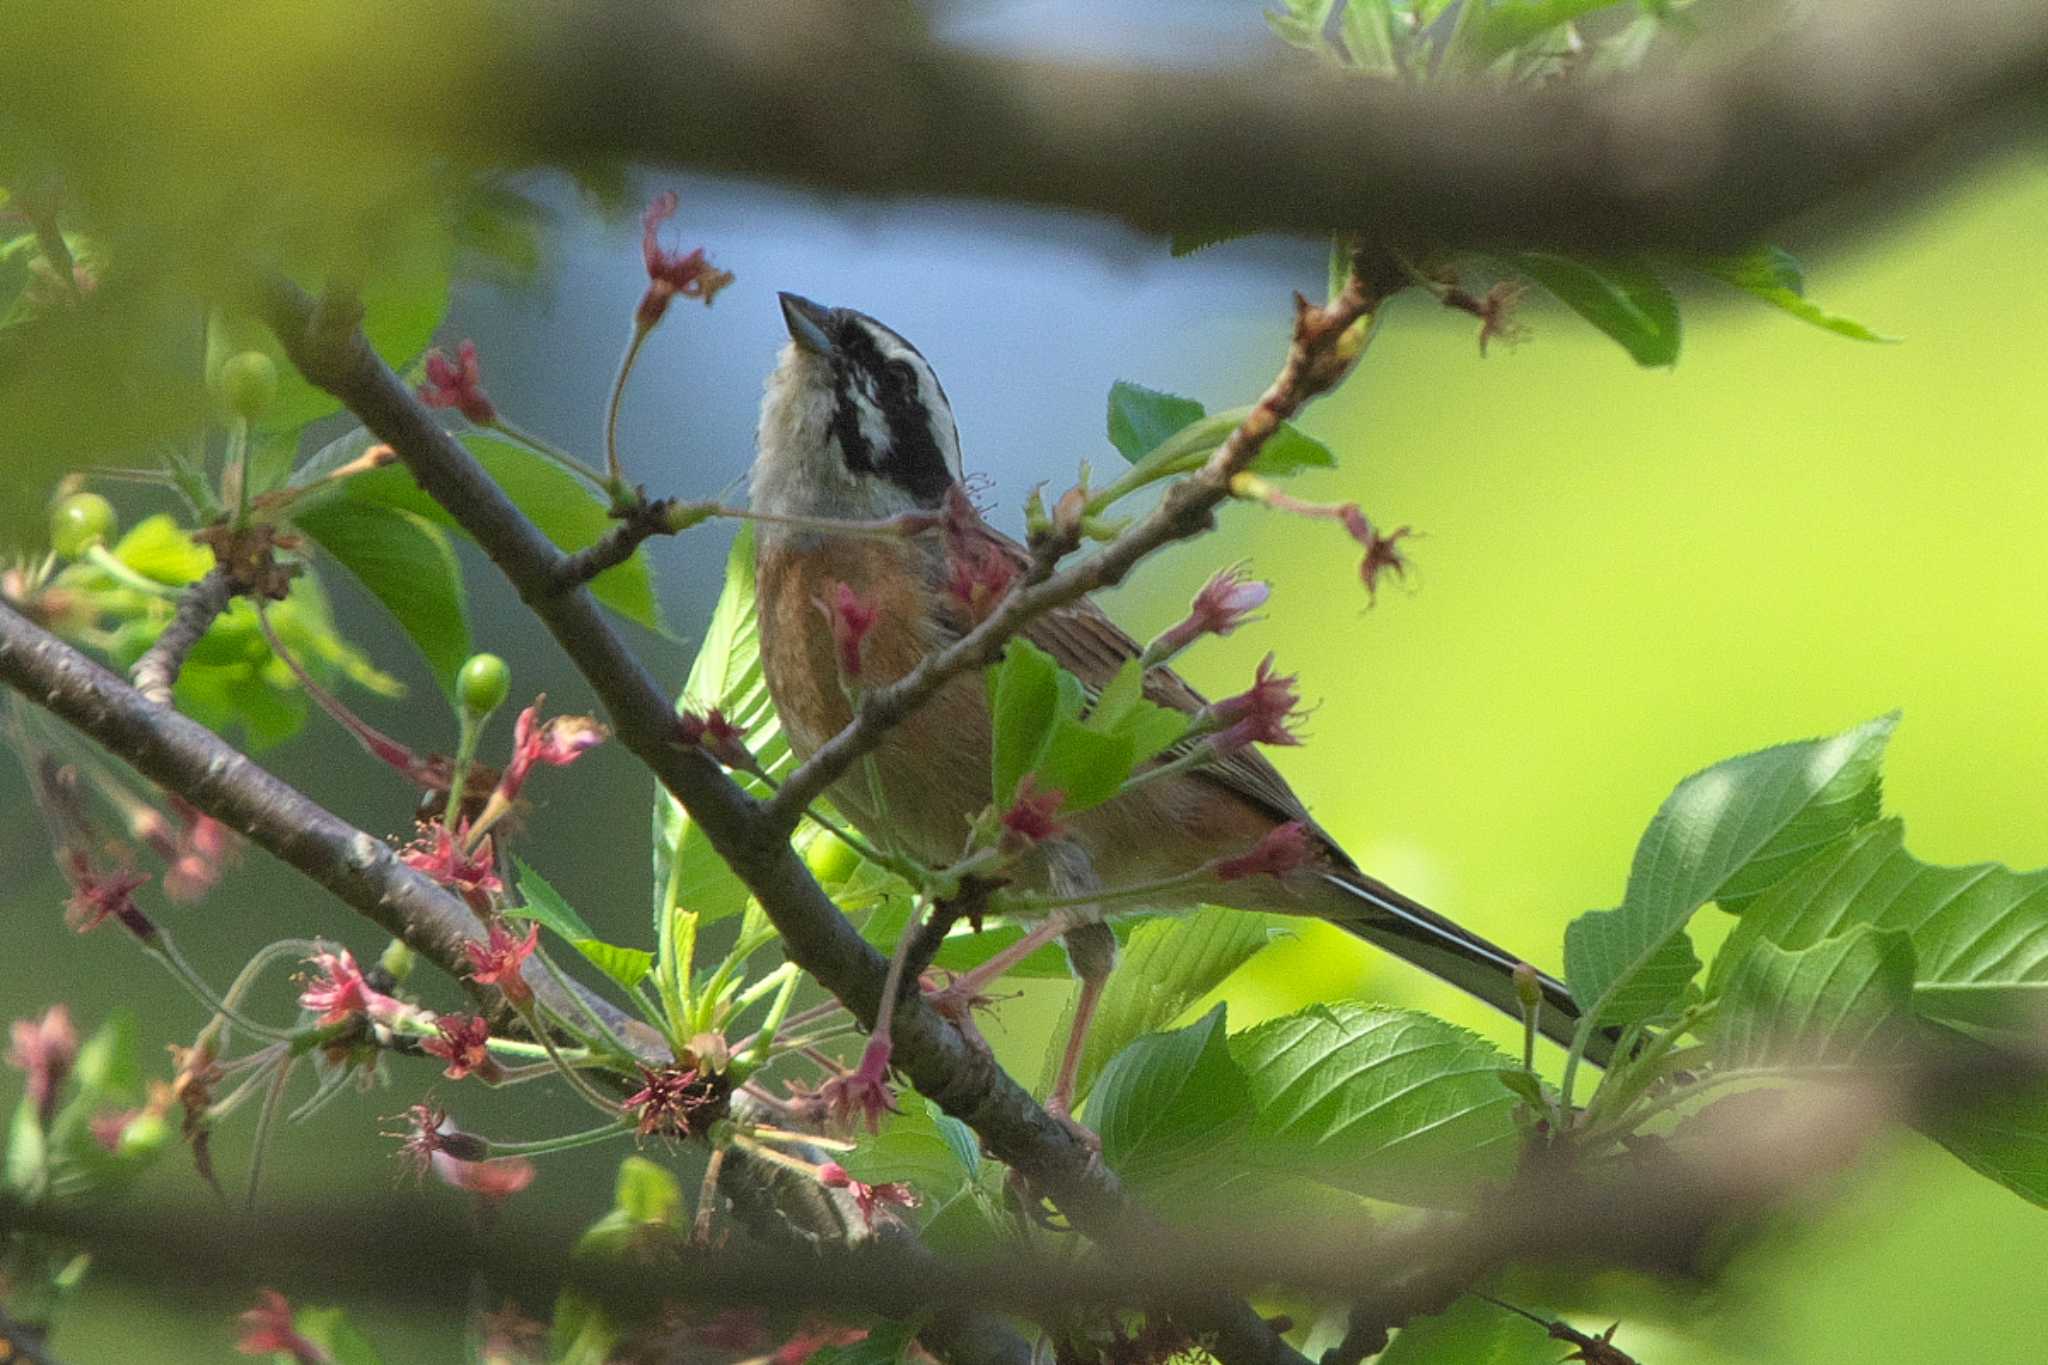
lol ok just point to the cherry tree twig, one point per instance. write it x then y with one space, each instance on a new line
156 672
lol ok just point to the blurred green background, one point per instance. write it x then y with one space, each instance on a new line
1621 577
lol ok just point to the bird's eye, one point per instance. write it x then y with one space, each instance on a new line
902 376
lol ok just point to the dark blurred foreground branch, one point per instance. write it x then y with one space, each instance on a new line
1864 94
1669 1214
944 1065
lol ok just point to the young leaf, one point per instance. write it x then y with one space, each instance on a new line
1623 298
1840 1002
1142 418
1389 1103
1286 451
1471 1332
1200 239
627 966
544 903
1979 933
1036 706
331 1329
911 1149
1166 965
565 510
407 564
726 674
1168 1102
1727 834
1773 275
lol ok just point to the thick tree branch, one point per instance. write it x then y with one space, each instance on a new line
943 1065
1865 94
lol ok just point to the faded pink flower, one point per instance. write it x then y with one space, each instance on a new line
458 384
863 1094
498 962
870 1199
1030 818
473 875
670 273
44 1049
465 1045
1259 715
556 742
718 737
852 617
1382 554
1286 848
96 897
1225 602
267 1330
341 990
677 1102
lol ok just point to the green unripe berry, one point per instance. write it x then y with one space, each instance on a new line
248 384
482 684
830 859
79 522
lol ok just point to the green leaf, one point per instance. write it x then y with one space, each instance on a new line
109 1064
1979 933
556 501
1773 275
407 564
1840 1002
1166 965
1727 834
2003 1136
912 1149
1121 709
1389 1103
1286 451
157 547
1471 1332
1187 243
1303 24
1505 25
1169 1103
885 1344
725 674
1367 27
1023 700
329 1328
627 966
544 903
1623 298
646 1192
1141 418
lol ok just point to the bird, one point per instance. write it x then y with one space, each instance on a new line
856 427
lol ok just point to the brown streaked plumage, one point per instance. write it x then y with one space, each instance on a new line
855 426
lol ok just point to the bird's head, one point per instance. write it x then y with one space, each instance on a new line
854 422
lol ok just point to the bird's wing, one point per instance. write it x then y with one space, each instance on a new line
1085 642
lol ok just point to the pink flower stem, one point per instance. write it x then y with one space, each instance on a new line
611 418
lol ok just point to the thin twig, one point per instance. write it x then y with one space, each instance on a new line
156 672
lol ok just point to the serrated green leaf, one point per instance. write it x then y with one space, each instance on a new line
911 1149
1200 239
406 563
1169 1103
1471 1332
1141 418
1023 700
725 674
1773 275
1623 298
1979 933
1389 1103
556 501
627 966
1165 966
1726 834
1842 1001
1287 451
542 902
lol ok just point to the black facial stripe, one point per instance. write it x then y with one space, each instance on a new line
912 459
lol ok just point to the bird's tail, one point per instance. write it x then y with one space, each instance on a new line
1415 933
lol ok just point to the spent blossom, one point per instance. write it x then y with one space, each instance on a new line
1260 714
1286 848
556 742
864 1094
470 873
852 617
97 897
677 1101
498 962
43 1050
464 1043
870 1199
458 384
1030 818
670 273
1225 602
341 990
1382 552
267 1330
718 737
430 1133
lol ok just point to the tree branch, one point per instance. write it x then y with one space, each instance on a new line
961 1077
1865 95
156 672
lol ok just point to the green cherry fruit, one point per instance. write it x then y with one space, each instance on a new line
482 684
80 521
248 384
830 858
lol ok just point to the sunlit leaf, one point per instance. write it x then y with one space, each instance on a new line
1623 298
1166 1103
1841 1001
1773 275
1471 1332
407 564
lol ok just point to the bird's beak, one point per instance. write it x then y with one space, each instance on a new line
806 322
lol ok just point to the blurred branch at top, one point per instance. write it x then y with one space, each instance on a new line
207 113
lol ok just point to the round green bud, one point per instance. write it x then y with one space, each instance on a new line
482 684
830 858
248 384
80 521
398 959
